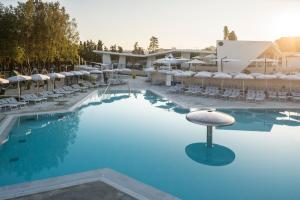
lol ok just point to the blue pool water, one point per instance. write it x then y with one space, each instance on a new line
148 138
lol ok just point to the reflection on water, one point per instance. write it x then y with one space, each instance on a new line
261 120
163 103
215 156
44 148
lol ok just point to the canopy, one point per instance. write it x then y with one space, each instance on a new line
292 77
67 74
195 61
210 118
39 77
96 71
255 74
19 78
55 75
169 60
3 81
184 74
77 73
211 56
149 69
84 72
203 74
222 75
243 76
266 76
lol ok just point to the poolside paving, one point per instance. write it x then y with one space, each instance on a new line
87 191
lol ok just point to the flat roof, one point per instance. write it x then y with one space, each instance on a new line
154 54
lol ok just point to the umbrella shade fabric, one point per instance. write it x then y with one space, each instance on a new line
242 76
84 72
108 70
226 60
210 118
56 75
184 74
292 77
19 78
67 74
203 74
39 77
266 76
96 71
167 72
124 70
222 75
77 73
3 81
196 62
256 74
149 69
211 56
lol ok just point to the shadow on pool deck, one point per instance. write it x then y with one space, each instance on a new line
87 191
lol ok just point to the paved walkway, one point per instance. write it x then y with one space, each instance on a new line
88 191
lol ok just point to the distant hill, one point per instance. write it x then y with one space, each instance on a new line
289 44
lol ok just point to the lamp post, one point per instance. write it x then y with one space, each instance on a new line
222 63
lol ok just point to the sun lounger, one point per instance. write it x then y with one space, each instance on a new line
32 98
272 95
282 95
236 93
227 92
49 94
81 88
12 100
4 104
62 91
69 88
250 95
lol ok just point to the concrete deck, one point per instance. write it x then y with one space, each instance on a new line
96 184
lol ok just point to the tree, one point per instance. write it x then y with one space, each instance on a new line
37 33
113 48
137 49
100 45
226 33
229 35
120 49
232 36
153 46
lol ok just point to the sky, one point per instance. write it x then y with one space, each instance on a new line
189 24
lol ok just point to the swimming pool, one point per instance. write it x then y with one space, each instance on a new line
148 138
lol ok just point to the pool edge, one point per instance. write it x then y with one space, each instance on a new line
115 179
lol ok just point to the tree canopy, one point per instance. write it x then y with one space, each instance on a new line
154 45
137 49
229 35
37 34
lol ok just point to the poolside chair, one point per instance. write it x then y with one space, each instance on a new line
272 95
250 95
214 92
49 94
81 88
282 95
69 88
13 101
295 96
227 92
236 93
4 105
62 91
32 98
260 96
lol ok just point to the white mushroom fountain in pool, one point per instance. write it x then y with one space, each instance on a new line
210 118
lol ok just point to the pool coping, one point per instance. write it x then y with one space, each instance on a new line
117 180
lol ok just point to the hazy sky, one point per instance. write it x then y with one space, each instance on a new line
182 23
